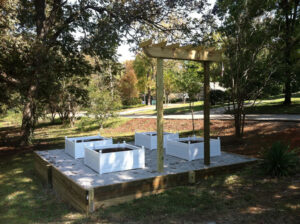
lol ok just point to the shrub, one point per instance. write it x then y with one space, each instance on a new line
218 96
280 160
132 101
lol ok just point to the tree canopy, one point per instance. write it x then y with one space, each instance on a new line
43 42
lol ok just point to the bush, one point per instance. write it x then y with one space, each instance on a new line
280 160
132 101
218 96
176 100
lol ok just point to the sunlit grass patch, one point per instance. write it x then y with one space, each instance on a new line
232 179
11 118
275 106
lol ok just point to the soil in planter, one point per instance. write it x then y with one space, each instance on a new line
90 140
113 150
191 141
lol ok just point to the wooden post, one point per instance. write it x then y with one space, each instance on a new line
160 115
206 115
91 205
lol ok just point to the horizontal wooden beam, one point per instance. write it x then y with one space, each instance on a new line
145 43
172 46
194 54
161 44
187 47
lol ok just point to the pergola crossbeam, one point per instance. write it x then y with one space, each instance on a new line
189 52
145 43
172 46
161 44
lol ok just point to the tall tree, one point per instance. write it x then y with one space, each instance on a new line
248 64
286 35
145 69
102 105
189 81
171 69
128 85
43 31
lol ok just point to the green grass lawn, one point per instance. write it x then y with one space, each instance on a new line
275 106
241 197
270 105
177 109
186 108
54 134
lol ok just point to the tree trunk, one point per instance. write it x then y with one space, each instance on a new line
193 121
149 96
237 124
239 118
53 117
287 92
28 120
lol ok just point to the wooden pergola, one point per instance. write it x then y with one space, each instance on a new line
175 51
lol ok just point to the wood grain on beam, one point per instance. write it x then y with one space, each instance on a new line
187 47
145 43
181 54
172 46
161 44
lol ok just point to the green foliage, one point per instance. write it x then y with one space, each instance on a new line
144 68
133 101
218 96
248 64
280 160
102 104
190 79
39 49
285 29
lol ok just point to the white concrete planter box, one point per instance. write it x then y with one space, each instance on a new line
149 139
75 146
192 148
113 158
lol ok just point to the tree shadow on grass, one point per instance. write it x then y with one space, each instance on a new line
247 196
23 199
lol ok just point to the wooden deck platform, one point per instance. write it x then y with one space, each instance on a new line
87 190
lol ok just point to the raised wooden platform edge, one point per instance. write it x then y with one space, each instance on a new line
43 170
67 189
87 200
71 192
118 193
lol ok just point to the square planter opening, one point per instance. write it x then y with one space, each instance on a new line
192 148
113 158
75 146
149 139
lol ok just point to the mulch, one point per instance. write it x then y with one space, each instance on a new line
258 135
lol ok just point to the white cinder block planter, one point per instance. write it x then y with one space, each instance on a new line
149 139
192 148
113 158
75 146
